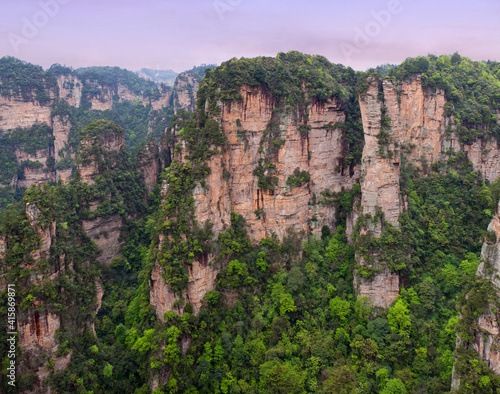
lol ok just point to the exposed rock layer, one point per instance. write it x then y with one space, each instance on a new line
232 186
418 130
17 112
201 279
487 342
318 152
184 92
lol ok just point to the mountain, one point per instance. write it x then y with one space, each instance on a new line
290 226
42 113
159 76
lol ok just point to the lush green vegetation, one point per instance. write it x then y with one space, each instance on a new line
292 79
471 88
10 195
119 189
131 115
115 76
296 324
18 78
36 138
284 317
298 178
278 321
282 77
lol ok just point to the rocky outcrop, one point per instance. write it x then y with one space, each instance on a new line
419 131
16 112
380 170
103 141
484 155
310 142
105 232
233 187
382 290
149 164
100 295
61 127
46 234
201 279
184 92
379 193
38 331
93 149
3 247
34 174
487 340
417 120
101 99
70 89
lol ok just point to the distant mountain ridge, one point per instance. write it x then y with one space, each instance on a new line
159 76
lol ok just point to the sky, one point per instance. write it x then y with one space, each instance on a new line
166 34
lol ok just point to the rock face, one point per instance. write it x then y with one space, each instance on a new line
382 290
379 192
2 247
46 235
487 342
38 330
92 152
70 89
233 187
32 175
202 278
149 164
16 112
380 173
417 120
61 127
184 92
103 230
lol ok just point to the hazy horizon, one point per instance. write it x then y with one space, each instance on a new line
166 35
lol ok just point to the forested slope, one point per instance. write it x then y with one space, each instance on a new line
314 230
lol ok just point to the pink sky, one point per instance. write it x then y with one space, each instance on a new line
177 35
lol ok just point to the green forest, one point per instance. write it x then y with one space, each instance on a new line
284 316
34 84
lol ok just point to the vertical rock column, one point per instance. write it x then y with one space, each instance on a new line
380 193
486 334
103 140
